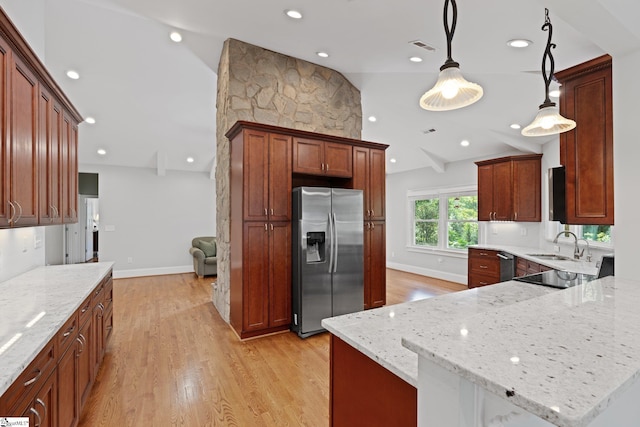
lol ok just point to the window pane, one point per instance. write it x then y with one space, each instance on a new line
463 208
462 234
426 234
427 209
596 233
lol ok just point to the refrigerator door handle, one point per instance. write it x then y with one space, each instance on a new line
331 235
335 243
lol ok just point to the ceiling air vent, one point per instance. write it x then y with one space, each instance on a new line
428 131
423 45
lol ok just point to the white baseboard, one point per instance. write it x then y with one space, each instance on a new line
438 274
139 272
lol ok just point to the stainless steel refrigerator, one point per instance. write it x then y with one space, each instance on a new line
328 256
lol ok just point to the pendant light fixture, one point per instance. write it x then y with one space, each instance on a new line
548 121
451 91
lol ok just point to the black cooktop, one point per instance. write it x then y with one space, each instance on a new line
557 279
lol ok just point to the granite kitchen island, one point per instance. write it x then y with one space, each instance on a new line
509 354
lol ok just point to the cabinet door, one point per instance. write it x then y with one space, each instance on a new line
46 402
377 178
96 344
279 274
502 192
85 368
279 177
360 180
255 276
69 170
308 156
256 168
587 150
375 261
5 209
23 144
526 190
338 160
68 388
485 193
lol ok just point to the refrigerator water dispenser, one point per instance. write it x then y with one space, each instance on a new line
315 247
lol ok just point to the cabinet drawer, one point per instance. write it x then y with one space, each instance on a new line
477 280
108 293
533 267
30 380
486 266
67 334
84 312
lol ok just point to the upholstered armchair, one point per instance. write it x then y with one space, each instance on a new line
205 262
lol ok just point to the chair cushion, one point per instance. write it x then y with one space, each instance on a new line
209 248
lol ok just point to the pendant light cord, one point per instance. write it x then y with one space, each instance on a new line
547 56
449 32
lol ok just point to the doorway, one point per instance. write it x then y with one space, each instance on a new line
81 238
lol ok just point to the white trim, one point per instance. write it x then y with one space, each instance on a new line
140 272
437 274
430 250
440 190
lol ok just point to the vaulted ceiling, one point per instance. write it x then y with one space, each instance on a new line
154 99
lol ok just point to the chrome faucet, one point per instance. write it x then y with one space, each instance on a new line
588 250
576 249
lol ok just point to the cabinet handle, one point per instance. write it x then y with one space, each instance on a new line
326 167
85 308
484 266
322 166
69 331
483 283
81 343
34 379
373 213
39 420
373 225
20 214
271 227
41 403
57 212
265 227
265 212
516 216
271 211
13 212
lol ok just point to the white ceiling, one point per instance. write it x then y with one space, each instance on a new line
154 99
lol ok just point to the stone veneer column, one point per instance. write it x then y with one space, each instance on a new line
258 85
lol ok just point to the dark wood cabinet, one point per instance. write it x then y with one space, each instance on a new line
85 369
33 162
587 151
265 162
484 267
375 265
68 398
42 409
23 145
525 266
316 157
509 189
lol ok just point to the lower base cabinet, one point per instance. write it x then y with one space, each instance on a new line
375 283
42 410
68 399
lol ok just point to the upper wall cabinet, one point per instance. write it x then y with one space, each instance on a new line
587 151
509 189
322 158
38 137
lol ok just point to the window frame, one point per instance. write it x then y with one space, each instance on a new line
443 194
556 227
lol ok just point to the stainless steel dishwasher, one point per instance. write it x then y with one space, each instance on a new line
507 266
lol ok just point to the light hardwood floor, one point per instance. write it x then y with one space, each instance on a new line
172 361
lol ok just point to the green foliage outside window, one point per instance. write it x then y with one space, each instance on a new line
596 233
463 222
426 214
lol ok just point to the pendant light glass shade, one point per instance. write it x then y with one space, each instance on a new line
548 121
451 91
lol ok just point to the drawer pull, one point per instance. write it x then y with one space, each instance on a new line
34 379
86 307
484 266
69 332
41 403
483 283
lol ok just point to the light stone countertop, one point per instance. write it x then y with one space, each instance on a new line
377 333
52 293
577 266
577 349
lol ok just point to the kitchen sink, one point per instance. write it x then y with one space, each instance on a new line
552 257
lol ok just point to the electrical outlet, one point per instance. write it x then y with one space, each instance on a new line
130 260
523 231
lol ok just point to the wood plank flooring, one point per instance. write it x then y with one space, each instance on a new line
172 361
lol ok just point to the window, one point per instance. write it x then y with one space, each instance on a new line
444 220
597 235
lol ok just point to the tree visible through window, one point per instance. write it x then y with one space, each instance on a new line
596 233
446 221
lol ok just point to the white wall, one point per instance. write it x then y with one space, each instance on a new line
153 218
21 249
626 147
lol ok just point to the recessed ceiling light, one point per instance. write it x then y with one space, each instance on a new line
73 74
515 126
372 119
464 143
415 59
555 93
175 36
294 14
190 160
322 54
392 160
102 151
90 120
519 43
